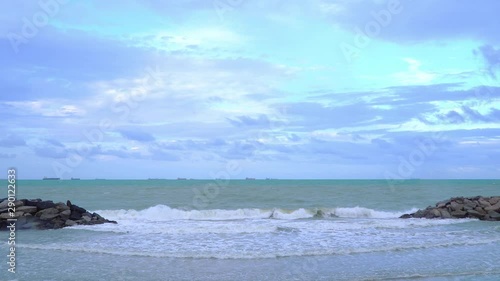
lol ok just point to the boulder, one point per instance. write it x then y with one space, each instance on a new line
62 207
441 204
75 216
97 217
27 209
435 213
45 217
65 214
4 204
475 214
39 214
455 206
7 216
459 214
469 203
494 215
18 203
494 200
32 202
483 202
48 214
493 207
480 210
75 208
58 223
445 214
45 205
419 214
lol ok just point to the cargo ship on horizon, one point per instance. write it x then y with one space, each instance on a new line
50 179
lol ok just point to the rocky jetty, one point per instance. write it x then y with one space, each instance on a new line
483 208
39 214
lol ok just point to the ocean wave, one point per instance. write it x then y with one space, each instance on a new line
165 213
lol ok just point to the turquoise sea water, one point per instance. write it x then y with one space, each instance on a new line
259 230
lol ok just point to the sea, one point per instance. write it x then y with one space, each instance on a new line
257 230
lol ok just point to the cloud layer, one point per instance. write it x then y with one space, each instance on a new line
316 89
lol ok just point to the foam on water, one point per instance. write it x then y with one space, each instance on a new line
165 213
265 233
257 253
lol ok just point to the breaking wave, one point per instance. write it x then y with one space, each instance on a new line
165 213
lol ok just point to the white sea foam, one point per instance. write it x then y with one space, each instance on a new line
258 253
165 213
360 212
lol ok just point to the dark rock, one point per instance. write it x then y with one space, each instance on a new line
468 207
45 205
405 216
442 204
480 210
6 216
39 214
455 206
62 207
19 203
32 202
459 214
494 200
47 211
75 216
75 208
97 217
27 209
494 215
494 207
65 214
484 203
469 203
433 213
48 214
419 214
436 212
475 214
58 223
445 214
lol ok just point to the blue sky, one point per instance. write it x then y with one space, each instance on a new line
239 88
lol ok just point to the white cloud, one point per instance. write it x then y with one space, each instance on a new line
48 108
414 75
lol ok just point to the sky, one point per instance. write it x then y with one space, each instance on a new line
320 89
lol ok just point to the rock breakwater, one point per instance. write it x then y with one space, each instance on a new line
479 207
39 214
